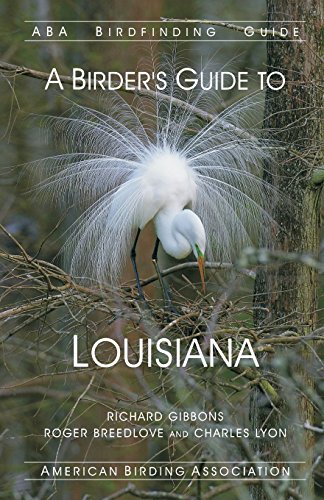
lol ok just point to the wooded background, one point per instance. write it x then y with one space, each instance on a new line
281 309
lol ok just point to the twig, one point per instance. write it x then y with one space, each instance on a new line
317 430
262 256
281 339
16 242
69 416
132 490
257 379
22 309
223 488
194 265
223 24
228 486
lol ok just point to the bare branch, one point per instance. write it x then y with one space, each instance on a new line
317 430
223 24
132 490
194 265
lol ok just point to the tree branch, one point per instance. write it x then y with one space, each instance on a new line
317 430
132 490
256 378
194 265
223 488
223 24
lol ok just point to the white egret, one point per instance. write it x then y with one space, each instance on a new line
199 182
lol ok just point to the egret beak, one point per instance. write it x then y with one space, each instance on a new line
201 265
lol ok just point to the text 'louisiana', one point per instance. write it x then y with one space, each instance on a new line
164 353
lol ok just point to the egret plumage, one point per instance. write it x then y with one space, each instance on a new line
199 182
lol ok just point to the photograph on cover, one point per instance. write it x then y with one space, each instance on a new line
161 250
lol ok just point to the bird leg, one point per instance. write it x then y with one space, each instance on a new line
166 295
133 259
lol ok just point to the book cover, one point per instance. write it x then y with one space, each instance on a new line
161 256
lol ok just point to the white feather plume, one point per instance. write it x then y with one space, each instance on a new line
108 158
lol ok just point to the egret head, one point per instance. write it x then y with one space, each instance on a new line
181 235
